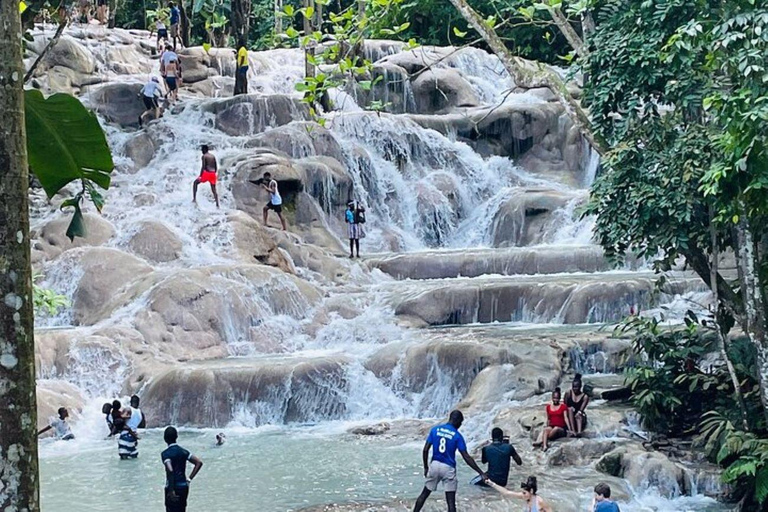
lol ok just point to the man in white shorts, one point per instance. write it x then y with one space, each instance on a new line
445 440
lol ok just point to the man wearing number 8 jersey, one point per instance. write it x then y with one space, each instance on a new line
444 441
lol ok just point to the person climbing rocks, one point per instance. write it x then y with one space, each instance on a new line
557 422
577 401
602 501
168 70
528 490
241 77
172 75
275 200
208 174
101 11
175 19
162 34
497 456
150 94
175 460
444 441
60 426
127 439
353 229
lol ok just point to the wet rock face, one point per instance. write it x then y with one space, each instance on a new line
155 242
249 114
588 300
70 53
226 310
643 469
441 90
474 263
528 217
52 240
119 103
213 394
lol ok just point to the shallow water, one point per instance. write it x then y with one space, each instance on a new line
286 469
270 470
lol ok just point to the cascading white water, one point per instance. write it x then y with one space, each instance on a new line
422 189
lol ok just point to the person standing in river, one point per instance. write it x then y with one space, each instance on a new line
275 200
444 441
497 456
528 490
208 174
175 460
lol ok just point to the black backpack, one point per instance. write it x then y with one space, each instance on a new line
360 217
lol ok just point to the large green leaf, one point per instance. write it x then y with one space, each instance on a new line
65 142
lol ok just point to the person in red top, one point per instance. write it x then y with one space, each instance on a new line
557 421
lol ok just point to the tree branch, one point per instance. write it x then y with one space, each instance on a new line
51 43
567 30
530 75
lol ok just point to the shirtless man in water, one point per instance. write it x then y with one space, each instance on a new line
208 172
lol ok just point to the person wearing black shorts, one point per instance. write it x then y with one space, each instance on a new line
275 200
149 94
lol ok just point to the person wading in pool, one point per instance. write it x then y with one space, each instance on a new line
275 200
497 456
445 440
208 174
60 426
528 489
175 460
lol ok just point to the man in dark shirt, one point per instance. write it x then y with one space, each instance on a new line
497 455
175 460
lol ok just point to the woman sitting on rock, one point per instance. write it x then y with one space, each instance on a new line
577 401
533 502
558 423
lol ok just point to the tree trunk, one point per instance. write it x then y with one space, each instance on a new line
184 25
754 305
278 17
19 484
529 74
309 50
722 334
113 6
241 25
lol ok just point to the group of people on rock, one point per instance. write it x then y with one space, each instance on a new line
565 418
445 440
86 11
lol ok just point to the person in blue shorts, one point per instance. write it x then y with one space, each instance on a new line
602 501
444 441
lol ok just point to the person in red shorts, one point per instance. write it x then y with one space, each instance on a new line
557 421
207 175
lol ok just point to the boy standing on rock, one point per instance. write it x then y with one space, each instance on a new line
208 174
445 440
